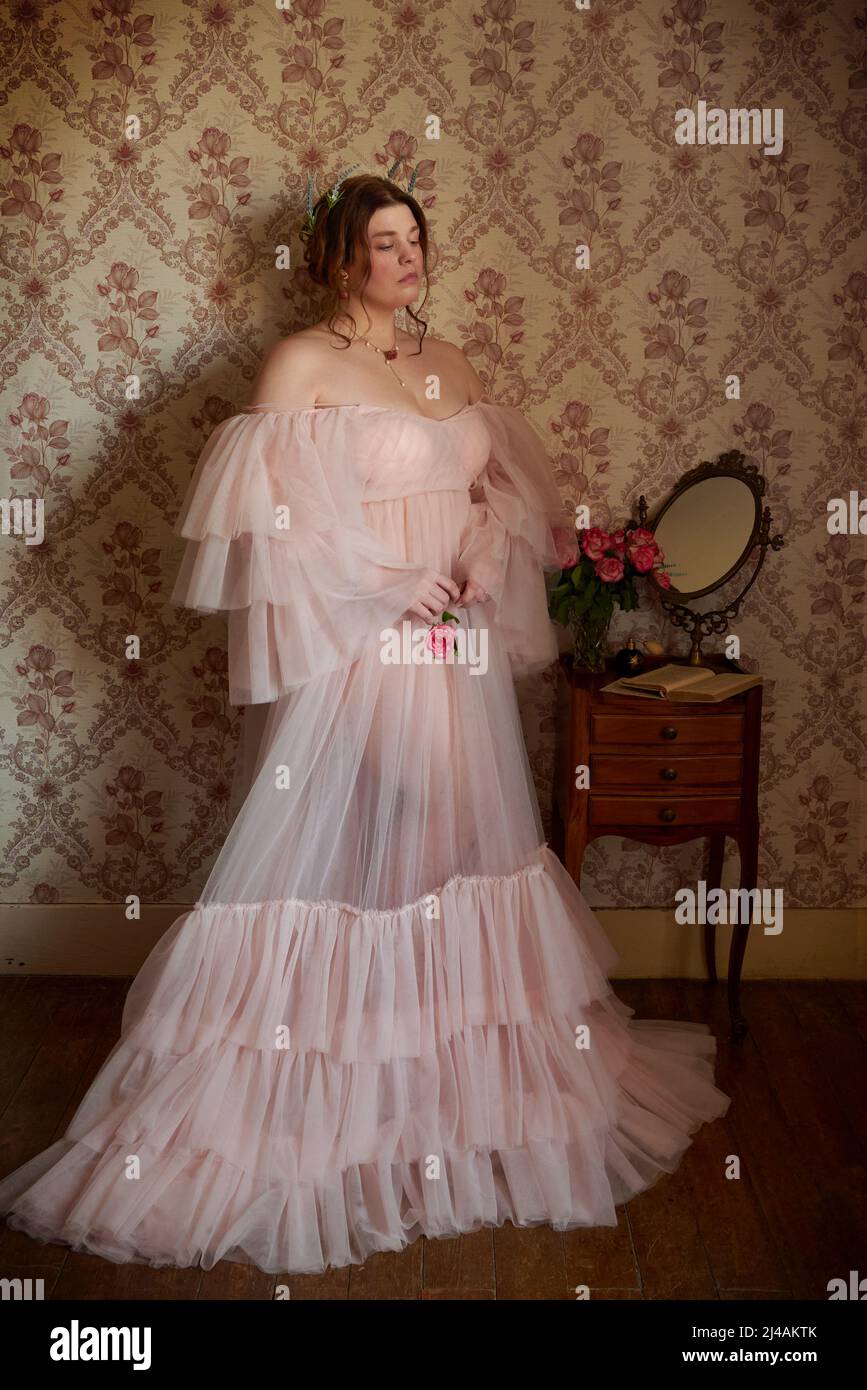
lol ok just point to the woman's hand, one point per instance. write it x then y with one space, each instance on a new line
472 592
434 592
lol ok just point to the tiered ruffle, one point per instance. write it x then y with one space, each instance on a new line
277 538
304 1084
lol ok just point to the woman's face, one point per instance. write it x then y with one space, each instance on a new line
395 257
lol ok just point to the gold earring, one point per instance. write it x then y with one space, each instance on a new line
344 293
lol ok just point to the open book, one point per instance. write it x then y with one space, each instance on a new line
682 683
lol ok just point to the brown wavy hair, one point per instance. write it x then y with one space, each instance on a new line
341 232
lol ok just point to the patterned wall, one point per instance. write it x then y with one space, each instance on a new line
154 158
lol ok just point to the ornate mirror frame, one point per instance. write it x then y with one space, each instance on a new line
732 464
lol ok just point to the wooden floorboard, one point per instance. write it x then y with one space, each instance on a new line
770 1202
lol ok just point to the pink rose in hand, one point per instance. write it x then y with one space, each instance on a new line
441 640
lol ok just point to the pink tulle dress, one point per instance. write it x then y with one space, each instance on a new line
388 1014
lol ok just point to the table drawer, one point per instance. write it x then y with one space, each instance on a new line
671 729
661 770
664 811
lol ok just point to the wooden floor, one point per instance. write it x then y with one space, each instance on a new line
796 1218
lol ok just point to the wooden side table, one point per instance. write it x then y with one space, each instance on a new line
661 772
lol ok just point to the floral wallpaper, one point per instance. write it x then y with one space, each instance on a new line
153 161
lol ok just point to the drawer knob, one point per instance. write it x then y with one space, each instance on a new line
667 813
669 731
669 774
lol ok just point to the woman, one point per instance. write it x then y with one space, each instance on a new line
388 1014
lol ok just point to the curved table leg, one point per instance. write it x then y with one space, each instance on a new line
714 878
748 844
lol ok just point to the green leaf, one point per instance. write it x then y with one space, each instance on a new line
583 602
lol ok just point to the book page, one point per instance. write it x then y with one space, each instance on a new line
669 677
724 684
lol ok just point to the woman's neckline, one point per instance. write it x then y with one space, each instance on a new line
361 405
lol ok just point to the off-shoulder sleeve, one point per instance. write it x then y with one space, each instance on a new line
276 538
509 543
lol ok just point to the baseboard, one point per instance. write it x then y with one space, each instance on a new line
96 939
814 944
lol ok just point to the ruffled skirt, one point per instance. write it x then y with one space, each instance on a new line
298 1086
389 1013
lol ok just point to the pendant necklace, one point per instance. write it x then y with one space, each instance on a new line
388 354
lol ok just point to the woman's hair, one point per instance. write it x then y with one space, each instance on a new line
340 233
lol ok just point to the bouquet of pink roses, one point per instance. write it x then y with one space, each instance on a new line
599 570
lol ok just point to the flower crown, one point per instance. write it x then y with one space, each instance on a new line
333 195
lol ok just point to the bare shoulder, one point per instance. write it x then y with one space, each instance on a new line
289 372
454 360
475 385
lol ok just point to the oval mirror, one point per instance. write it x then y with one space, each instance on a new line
706 530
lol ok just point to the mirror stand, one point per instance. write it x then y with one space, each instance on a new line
699 625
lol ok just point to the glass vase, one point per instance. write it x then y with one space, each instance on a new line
589 638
